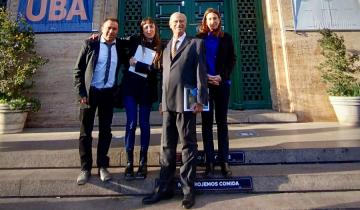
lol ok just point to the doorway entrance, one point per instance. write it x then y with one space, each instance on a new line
241 18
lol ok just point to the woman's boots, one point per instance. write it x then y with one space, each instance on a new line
142 170
209 170
129 170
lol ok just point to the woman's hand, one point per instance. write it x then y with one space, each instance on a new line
214 80
132 61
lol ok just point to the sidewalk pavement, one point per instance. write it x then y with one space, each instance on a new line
272 201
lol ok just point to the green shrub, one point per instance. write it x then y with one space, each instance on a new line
18 62
339 70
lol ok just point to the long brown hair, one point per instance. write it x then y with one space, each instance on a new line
204 29
156 42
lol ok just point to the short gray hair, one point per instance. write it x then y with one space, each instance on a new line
177 13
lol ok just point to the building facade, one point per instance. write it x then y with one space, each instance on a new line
276 65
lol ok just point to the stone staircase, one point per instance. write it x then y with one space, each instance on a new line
282 157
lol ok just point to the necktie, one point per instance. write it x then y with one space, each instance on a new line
108 62
173 49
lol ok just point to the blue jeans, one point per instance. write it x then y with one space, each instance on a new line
131 107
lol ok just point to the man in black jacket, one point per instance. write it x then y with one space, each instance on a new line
95 78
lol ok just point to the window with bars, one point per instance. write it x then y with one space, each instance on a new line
249 47
132 17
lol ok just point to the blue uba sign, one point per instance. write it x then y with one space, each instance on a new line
58 15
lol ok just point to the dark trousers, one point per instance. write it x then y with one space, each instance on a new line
218 101
178 126
102 101
131 107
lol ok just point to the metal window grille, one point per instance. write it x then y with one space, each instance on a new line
249 58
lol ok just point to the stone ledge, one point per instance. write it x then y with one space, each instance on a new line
269 178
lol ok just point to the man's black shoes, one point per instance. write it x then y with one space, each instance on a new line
188 201
156 197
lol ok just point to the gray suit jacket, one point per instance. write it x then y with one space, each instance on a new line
186 69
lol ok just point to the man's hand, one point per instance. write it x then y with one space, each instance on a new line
83 100
160 109
198 108
94 37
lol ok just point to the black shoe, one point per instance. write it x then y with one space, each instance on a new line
209 170
188 201
156 197
129 172
142 171
225 170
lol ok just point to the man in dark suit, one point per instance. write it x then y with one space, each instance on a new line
95 77
183 67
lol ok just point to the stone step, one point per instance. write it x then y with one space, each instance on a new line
260 143
265 179
70 158
234 116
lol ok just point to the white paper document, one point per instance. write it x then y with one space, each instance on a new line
144 55
190 98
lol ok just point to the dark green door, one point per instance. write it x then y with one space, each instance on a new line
132 11
193 10
3 3
251 89
241 18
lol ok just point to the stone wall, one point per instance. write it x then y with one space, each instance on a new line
292 58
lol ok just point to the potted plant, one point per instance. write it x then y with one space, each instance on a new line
340 73
18 63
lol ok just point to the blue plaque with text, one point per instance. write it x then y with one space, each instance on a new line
235 158
233 184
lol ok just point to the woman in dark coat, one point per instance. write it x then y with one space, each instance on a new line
220 59
139 93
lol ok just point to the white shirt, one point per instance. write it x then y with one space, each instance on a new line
180 41
99 72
